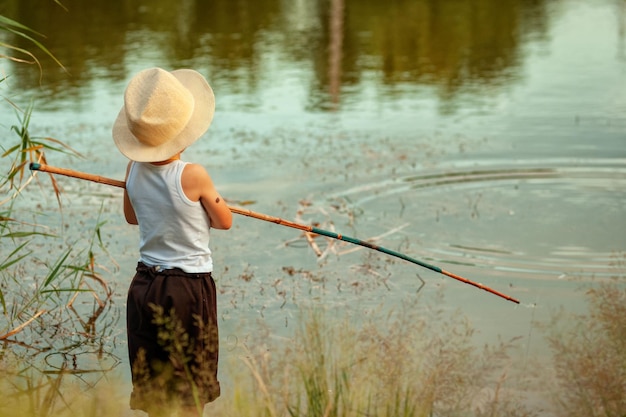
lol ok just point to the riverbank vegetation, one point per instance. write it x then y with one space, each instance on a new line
413 361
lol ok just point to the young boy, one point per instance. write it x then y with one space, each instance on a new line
171 307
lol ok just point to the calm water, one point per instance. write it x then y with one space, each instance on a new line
485 137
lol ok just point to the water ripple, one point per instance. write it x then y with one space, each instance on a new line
608 174
550 219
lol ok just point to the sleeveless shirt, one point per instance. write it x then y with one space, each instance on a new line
174 231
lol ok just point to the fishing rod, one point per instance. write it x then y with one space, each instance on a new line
310 229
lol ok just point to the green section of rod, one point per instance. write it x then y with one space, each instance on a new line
374 247
409 259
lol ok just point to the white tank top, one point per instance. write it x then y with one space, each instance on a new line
174 231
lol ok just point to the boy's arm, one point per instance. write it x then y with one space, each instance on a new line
198 186
129 211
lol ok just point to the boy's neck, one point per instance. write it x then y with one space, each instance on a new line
167 161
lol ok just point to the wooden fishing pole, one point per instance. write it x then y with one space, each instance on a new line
310 229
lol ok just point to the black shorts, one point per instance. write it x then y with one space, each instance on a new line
173 341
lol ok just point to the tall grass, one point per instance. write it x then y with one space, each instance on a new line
417 360
420 360
411 362
33 287
589 352
57 320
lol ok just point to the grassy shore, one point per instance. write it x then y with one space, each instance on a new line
414 362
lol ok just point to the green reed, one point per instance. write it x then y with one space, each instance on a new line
32 286
19 54
52 310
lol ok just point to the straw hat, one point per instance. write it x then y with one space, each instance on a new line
163 113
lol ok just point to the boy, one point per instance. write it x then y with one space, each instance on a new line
171 306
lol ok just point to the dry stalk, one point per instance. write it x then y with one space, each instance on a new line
22 326
253 366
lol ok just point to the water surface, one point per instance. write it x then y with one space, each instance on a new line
488 138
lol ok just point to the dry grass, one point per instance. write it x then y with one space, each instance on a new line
408 362
414 361
589 352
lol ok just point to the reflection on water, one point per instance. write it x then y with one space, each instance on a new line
336 46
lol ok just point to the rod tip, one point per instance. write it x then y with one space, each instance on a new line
34 166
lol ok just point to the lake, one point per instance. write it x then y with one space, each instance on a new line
485 137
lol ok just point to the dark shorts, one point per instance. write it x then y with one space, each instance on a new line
173 339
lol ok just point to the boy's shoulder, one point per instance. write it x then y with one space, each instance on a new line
196 174
192 168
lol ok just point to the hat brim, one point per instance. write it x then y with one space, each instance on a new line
199 122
